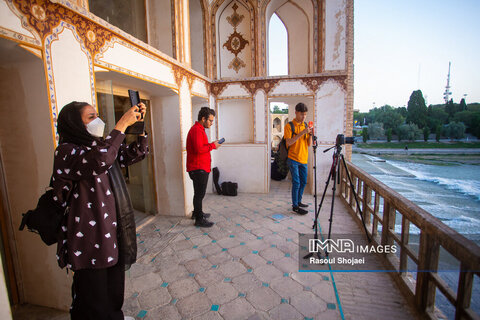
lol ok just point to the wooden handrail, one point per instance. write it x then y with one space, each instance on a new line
433 235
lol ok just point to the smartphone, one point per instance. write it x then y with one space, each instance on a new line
139 126
221 140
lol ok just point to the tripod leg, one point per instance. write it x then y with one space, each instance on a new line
356 198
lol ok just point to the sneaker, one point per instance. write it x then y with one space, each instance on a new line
205 215
299 210
204 223
302 205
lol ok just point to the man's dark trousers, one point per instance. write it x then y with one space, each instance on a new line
200 180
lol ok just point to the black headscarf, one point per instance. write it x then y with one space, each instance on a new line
70 126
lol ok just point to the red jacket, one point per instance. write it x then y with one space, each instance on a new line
198 149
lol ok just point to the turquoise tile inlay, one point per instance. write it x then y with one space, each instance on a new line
284 300
248 231
142 242
269 262
307 289
331 306
227 280
187 238
241 294
224 249
135 295
273 246
249 270
138 234
195 247
242 243
157 230
275 232
205 233
287 254
238 224
286 274
325 278
259 238
255 252
174 301
201 289
265 284
153 259
307 318
214 307
164 285
204 257
213 241
214 266
232 236
191 275
289 228
142 314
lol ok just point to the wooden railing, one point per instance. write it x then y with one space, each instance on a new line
382 208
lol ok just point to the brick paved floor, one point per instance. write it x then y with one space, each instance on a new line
246 267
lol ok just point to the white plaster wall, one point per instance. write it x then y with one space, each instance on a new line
290 87
70 66
200 88
335 34
10 21
235 121
5 312
27 149
124 57
234 90
245 164
260 110
224 29
330 101
168 160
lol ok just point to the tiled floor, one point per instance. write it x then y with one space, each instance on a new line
246 267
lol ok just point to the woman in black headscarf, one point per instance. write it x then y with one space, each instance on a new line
97 240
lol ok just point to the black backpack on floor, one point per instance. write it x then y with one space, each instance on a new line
227 188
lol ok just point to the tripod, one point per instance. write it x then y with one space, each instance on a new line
334 174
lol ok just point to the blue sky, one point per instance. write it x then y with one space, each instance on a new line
402 46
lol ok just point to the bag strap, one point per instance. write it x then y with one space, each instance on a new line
293 128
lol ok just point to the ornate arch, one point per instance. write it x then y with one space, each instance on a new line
214 23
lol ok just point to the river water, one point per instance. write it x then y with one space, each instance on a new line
449 191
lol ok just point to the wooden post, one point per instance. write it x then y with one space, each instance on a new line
428 263
367 200
403 252
388 222
464 293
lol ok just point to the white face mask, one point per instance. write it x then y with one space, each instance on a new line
96 127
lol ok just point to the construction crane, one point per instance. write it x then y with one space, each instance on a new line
447 93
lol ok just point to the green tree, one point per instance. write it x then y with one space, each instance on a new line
389 134
438 133
416 109
408 132
426 133
463 105
455 130
390 118
436 116
450 108
375 130
365 135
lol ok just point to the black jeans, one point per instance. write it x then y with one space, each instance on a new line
200 180
98 293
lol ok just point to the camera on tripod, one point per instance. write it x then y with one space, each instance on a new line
341 139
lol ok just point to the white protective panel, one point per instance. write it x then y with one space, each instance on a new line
245 165
200 88
335 34
235 121
70 66
289 87
234 90
10 21
330 102
260 116
130 59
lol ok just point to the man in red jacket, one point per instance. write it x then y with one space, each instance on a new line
199 162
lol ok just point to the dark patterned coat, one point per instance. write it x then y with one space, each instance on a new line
89 230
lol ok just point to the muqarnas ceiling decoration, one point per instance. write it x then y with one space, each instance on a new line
235 42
